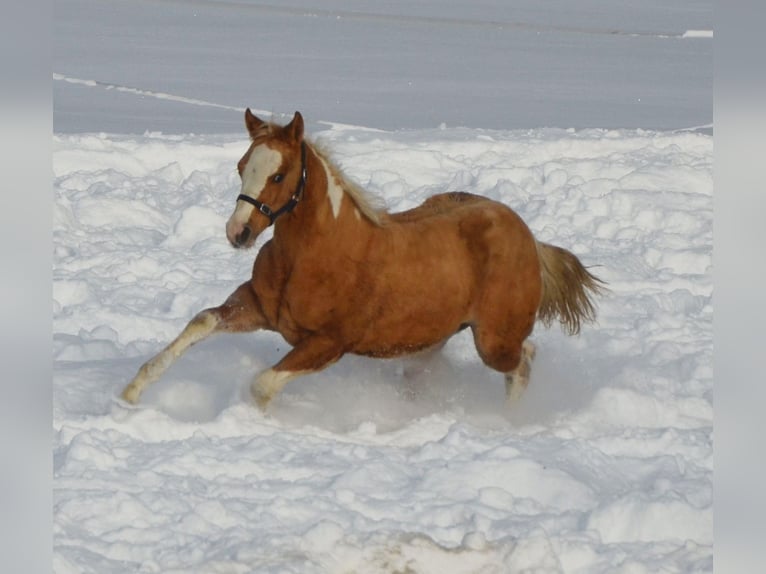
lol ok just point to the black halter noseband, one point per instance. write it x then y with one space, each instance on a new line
294 199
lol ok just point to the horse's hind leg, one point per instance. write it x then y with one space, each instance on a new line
508 351
241 312
506 311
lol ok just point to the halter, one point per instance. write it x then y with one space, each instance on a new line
293 201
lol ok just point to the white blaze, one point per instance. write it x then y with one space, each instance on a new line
262 164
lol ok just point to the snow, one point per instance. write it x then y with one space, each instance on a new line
604 466
606 463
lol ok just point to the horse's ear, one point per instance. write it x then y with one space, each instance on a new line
253 123
295 127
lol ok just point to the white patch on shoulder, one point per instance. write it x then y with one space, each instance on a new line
334 191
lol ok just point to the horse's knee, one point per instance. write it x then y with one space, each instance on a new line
503 352
205 320
241 312
498 354
504 360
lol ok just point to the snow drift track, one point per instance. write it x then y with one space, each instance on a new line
378 466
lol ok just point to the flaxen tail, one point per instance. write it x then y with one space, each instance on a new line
568 289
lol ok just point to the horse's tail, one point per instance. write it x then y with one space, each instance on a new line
568 289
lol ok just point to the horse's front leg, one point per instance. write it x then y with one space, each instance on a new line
310 355
241 312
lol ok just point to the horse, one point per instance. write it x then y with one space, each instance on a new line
342 275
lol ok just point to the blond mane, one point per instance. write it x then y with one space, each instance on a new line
370 206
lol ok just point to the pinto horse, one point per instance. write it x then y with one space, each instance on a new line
343 276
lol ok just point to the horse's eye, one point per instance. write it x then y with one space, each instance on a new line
278 178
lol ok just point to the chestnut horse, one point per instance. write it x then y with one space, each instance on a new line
342 276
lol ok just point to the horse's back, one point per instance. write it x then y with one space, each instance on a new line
481 223
440 204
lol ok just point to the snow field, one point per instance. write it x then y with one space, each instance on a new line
605 465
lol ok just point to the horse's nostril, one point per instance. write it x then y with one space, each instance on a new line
243 237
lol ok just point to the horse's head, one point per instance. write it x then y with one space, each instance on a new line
273 176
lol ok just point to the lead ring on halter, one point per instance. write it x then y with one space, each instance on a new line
294 199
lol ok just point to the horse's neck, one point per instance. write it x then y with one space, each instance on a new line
325 213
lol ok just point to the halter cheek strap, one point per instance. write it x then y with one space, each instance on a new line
292 202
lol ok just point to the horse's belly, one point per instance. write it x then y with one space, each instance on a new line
405 339
408 320
390 351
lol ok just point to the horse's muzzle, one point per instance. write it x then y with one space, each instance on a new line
241 238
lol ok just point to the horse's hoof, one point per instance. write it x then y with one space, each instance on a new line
515 385
130 394
260 398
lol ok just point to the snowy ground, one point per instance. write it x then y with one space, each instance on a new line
606 465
